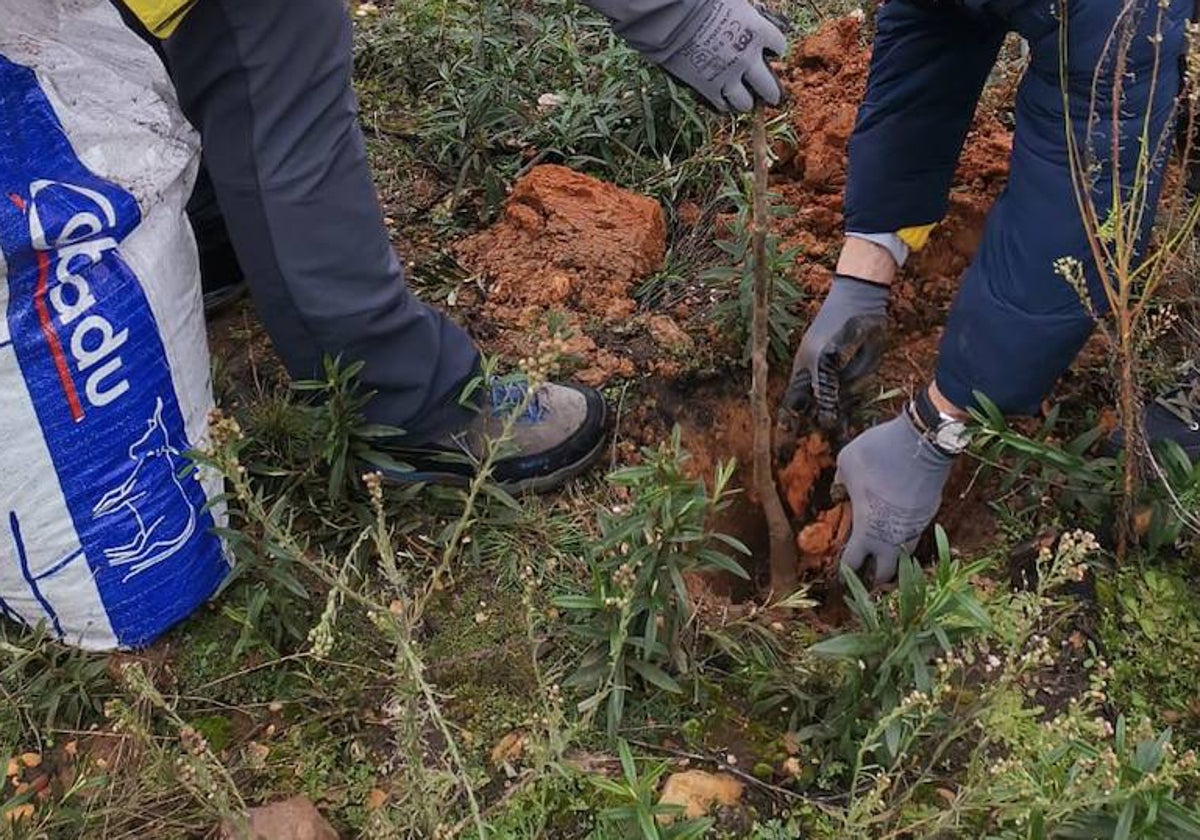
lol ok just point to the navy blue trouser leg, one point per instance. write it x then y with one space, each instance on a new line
928 67
1016 324
267 83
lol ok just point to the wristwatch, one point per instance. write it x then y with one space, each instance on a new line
945 433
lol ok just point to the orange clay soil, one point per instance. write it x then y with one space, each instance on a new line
569 244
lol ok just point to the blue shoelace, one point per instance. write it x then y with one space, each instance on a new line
509 393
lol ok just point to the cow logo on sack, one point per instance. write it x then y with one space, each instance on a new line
97 373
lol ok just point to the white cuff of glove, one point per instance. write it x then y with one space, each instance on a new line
891 242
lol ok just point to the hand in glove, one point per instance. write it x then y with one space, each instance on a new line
842 346
718 48
894 477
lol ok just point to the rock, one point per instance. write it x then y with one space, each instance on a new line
668 334
700 793
289 819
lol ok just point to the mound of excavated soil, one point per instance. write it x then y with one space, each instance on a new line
570 244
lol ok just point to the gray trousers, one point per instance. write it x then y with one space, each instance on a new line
267 84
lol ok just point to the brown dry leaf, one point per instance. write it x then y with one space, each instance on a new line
508 749
589 763
31 759
71 749
791 743
376 799
946 794
1143 518
699 792
13 770
18 813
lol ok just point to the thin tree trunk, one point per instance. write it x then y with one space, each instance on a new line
782 540
1132 421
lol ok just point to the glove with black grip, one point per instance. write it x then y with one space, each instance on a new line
719 48
841 347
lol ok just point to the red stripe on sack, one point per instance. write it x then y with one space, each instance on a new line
56 351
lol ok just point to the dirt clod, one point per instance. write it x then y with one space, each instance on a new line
821 541
570 244
798 479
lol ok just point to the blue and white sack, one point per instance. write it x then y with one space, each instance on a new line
105 534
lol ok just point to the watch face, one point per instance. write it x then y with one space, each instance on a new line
953 436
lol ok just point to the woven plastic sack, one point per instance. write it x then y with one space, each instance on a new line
105 528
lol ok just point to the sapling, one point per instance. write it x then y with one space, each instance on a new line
779 528
1128 270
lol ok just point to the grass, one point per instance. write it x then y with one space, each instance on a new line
403 656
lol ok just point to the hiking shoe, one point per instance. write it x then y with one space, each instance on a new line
1175 415
559 434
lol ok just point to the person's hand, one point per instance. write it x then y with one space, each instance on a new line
841 347
725 59
894 477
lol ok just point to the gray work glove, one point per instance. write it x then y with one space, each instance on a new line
718 48
841 347
894 477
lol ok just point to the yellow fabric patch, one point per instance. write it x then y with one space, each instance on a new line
160 16
916 237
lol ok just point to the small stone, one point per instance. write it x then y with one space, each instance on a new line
699 793
376 799
508 749
289 819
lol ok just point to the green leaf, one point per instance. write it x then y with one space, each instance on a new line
912 598
648 826
627 764
1124 829
717 560
891 739
734 543
965 604
860 600
994 415
607 785
654 675
850 646
577 602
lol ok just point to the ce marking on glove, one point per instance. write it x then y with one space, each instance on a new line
738 36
